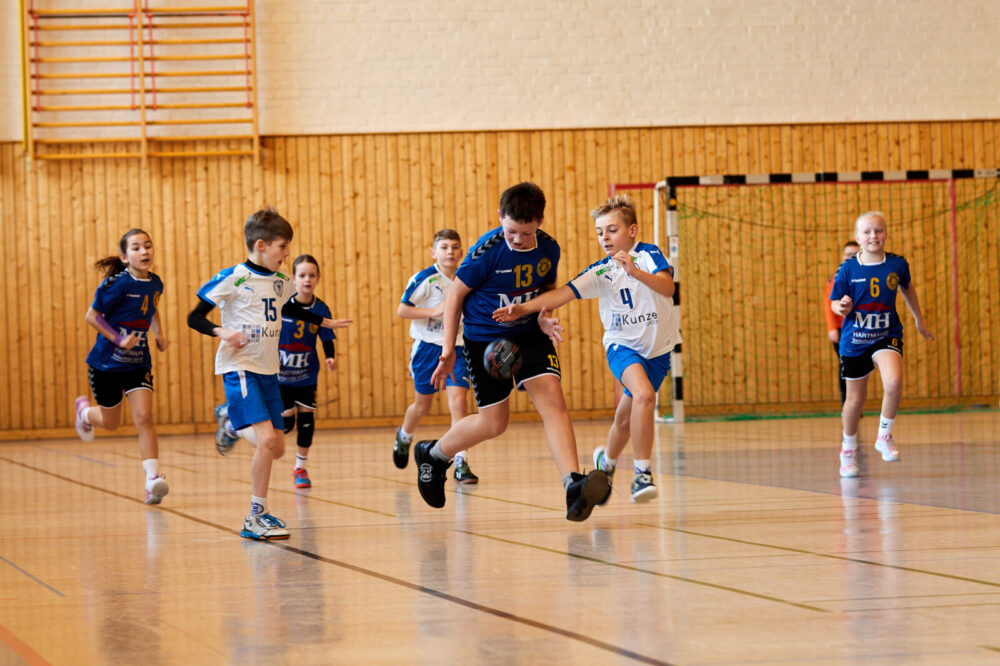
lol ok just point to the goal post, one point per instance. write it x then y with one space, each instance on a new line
758 250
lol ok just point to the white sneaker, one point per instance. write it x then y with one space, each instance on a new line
887 447
848 463
263 526
156 489
84 430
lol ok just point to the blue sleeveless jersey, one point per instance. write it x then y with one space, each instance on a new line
128 304
499 276
297 347
873 289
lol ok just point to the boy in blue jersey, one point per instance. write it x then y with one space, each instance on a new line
510 264
299 373
423 304
124 312
252 297
864 294
633 285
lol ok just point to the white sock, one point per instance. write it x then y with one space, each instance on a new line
257 505
84 417
850 442
641 466
151 466
300 461
405 436
884 427
609 463
438 454
459 457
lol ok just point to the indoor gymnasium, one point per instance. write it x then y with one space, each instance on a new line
709 289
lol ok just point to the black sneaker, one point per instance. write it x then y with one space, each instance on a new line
431 473
400 452
586 492
463 474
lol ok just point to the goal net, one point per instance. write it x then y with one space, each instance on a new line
754 253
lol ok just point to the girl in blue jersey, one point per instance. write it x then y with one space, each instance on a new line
299 373
864 294
124 313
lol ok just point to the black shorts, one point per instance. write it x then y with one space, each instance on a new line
862 365
304 396
109 387
538 357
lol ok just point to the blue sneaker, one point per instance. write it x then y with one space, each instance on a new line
263 527
225 436
643 489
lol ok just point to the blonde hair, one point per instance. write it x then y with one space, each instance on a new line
620 202
871 213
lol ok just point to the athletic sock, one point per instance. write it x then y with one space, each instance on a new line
566 480
257 505
151 466
84 417
850 442
403 435
641 466
300 461
884 427
438 454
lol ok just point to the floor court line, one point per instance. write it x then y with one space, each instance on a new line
658 574
831 556
21 649
34 578
566 633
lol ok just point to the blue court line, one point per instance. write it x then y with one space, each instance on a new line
74 455
40 582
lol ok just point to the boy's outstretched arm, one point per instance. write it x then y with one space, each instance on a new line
295 311
407 311
452 314
549 300
910 296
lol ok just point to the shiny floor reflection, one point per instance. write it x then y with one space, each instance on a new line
755 552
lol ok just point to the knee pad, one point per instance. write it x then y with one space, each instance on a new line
305 435
289 423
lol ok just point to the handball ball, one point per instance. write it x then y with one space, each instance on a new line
502 358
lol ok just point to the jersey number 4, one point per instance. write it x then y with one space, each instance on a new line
627 298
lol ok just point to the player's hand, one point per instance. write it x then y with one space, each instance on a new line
161 343
331 364
550 326
512 312
834 335
445 368
438 312
234 338
624 259
129 341
337 323
843 306
924 331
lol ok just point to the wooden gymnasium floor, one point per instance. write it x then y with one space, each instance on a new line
755 552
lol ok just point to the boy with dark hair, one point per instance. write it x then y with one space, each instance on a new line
510 264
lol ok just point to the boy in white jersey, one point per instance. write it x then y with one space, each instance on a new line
864 294
633 285
252 297
423 304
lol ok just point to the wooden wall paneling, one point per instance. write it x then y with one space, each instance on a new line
338 280
9 346
383 281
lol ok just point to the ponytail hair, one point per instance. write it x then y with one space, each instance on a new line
113 264
305 259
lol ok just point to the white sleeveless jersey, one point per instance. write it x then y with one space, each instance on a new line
250 302
428 289
633 315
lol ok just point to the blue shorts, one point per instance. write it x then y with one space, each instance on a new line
620 357
253 398
424 358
